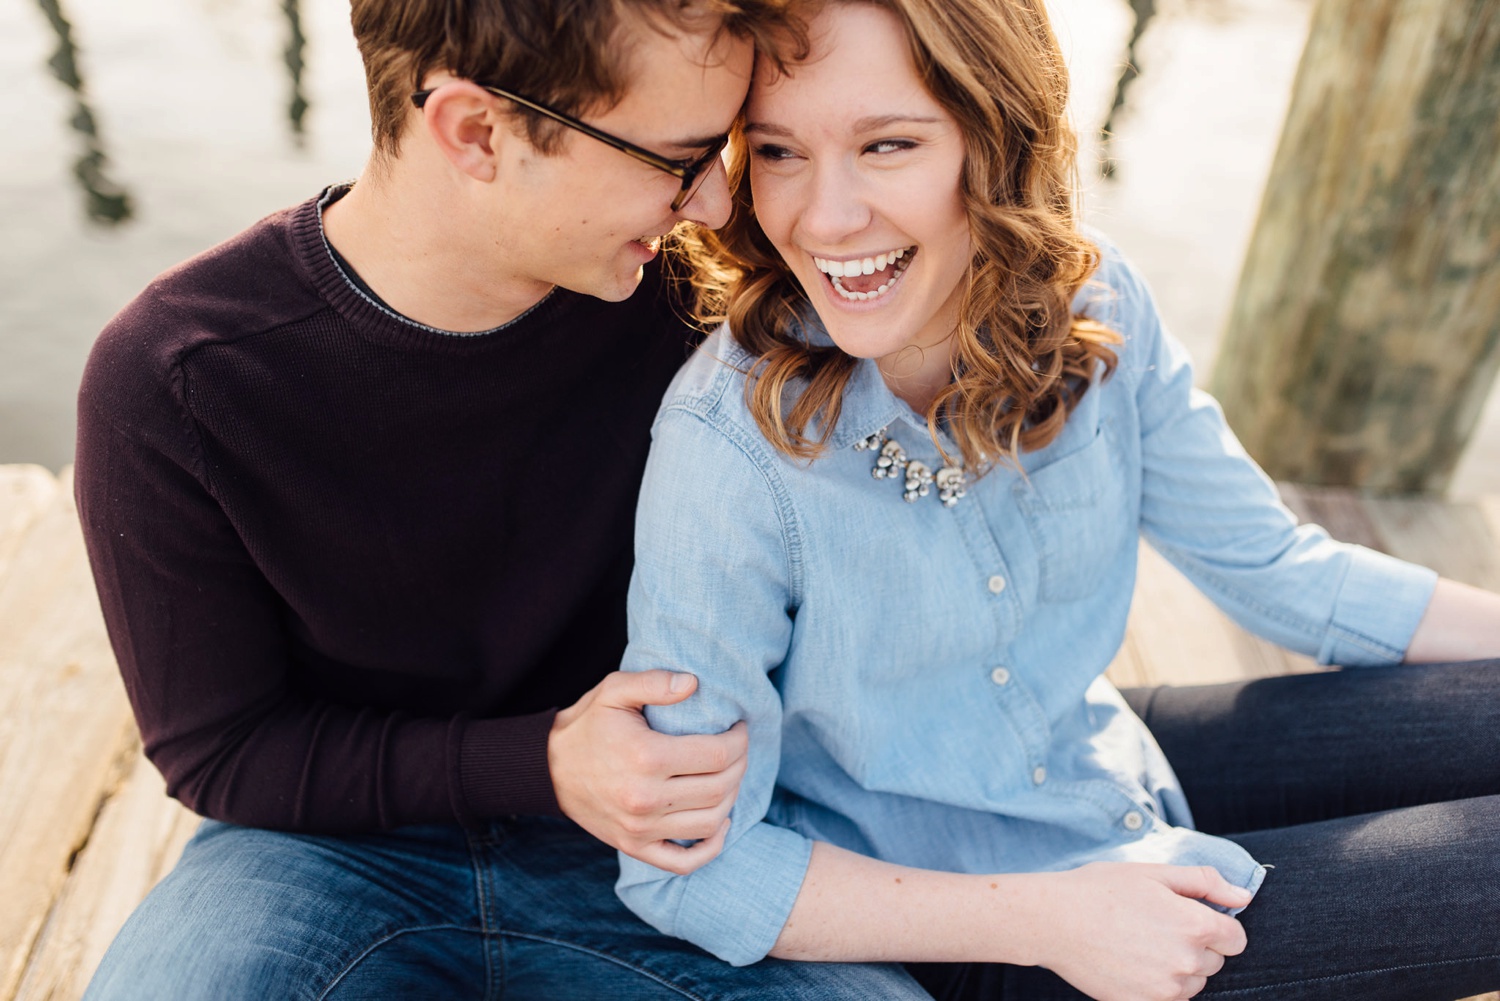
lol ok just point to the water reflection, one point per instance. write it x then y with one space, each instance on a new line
1144 11
105 201
295 44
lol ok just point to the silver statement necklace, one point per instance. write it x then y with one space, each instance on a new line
918 478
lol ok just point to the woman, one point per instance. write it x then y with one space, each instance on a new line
938 772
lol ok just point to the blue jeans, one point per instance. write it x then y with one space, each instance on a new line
524 909
1376 795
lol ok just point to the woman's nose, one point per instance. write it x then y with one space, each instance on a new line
836 207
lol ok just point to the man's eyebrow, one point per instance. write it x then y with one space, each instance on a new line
766 128
697 143
867 124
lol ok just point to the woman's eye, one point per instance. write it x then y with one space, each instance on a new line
767 151
890 146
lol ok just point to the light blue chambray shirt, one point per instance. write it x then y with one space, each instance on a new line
923 684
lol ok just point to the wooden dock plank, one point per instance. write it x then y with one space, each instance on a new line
1343 513
64 723
1458 540
138 837
25 492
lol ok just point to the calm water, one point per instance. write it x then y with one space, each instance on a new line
138 132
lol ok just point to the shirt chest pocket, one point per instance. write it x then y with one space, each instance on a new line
1079 516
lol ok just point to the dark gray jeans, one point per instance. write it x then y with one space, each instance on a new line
1375 793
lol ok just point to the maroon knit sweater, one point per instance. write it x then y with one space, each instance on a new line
350 564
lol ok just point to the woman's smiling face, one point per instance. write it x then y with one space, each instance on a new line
855 172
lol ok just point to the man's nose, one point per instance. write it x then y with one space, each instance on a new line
709 204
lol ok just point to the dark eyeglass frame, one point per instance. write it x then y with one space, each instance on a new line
686 170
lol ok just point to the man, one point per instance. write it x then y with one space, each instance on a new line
358 490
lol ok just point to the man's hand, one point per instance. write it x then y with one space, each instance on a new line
1138 932
636 789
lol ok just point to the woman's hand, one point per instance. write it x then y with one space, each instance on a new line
1121 931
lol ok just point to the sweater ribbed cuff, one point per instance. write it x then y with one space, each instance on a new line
502 767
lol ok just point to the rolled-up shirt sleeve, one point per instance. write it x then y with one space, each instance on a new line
1215 515
716 581
1379 605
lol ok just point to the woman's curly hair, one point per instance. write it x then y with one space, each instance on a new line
1022 359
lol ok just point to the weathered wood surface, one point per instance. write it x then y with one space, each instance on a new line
1365 331
136 839
86 828
67 750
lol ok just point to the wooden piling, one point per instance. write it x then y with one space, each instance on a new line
1365 331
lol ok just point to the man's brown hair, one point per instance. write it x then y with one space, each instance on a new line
568 54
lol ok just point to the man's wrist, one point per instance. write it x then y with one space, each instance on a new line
503 766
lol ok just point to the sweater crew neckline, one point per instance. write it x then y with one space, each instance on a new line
376 320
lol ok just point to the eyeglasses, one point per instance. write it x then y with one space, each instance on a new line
690 171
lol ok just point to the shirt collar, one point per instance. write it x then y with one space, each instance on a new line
869 407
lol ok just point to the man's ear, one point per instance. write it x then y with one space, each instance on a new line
466 125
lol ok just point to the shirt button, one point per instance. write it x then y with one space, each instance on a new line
1039 775
996 584
1000 676
1133 821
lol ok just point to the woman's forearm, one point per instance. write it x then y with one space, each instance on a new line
1114 930
857 909
1461 623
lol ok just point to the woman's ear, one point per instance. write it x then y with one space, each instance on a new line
467 126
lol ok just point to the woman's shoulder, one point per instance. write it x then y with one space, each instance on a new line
708 458
1118 296
705 407
712 379
1115 287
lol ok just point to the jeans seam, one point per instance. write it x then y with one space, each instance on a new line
492 986
563 943
384 940
1345 976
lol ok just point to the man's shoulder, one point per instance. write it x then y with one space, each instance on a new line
246 285
253 281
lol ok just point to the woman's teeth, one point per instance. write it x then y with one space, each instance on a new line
896 260
859 266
